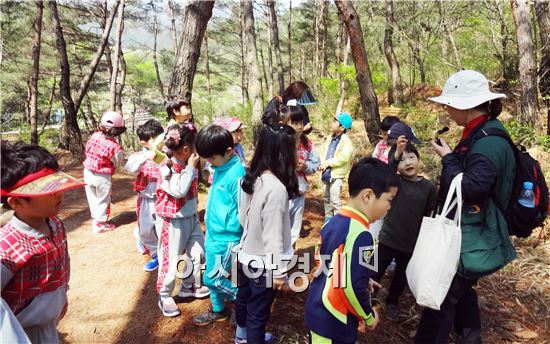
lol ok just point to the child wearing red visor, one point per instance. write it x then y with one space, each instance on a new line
34 259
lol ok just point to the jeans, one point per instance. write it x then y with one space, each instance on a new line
253 305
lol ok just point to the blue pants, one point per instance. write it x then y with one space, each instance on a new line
253 306
219 256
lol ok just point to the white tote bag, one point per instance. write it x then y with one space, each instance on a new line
435 258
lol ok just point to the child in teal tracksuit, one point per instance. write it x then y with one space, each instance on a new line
223 230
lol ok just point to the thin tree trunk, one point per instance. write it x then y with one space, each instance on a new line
342 99
264 72
85 83
50 104
35 72
276 42
289 41
252 60
90 112
369 103
316 38
448 33
197 15
117 52
302 62
269 56
69 135
172 16
120 85
326 24
529 107
207 64
244 75
155 62
541 8
397 89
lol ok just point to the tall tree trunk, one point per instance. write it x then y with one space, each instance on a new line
289 41
264 72
69 135
172 16
155 62
302 62
529 107
252 60
316 38
244 75
269 56
342 98
197 15
207 64
117 52
50 104
276 42
120 83
541 8
326 29
369 103
397 89
35 72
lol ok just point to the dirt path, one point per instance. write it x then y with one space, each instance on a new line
113 300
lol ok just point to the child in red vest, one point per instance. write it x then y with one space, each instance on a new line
177 220
34 258
145 166
103 156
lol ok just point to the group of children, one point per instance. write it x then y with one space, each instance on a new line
253 218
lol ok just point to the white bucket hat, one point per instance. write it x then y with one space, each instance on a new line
466 90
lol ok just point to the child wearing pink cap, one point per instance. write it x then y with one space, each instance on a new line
103 156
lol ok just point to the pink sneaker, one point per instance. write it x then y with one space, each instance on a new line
102 227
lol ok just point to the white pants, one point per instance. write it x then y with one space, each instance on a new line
98 191
146 224
296 209
331 197
179 236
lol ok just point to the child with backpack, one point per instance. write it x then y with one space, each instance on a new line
415 199
223 230
338 305
34 257
145 166
308 163
177 220
266 244
103 156
336 162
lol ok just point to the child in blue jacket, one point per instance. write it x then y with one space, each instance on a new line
223 229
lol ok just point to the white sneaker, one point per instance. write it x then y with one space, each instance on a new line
168 307
192 291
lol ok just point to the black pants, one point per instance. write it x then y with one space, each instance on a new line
253 305
460 308
385 256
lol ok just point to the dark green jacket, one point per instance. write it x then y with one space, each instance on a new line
488 165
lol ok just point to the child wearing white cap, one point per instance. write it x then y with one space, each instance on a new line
103 156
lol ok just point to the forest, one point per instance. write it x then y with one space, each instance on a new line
65 62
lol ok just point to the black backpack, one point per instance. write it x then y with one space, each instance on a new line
522 220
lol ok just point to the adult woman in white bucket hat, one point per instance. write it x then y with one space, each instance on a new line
488 165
